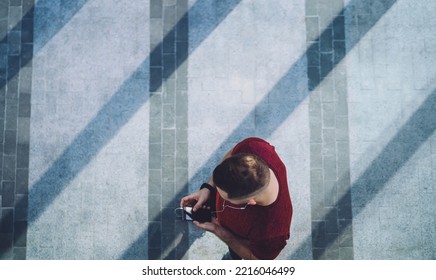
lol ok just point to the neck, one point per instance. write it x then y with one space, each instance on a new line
269 195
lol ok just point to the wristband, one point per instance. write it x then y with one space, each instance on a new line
207 186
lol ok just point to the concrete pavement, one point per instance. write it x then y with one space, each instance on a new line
113 110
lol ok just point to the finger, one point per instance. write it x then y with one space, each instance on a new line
189 197
205 226
215 221
197 206
185 200
198 224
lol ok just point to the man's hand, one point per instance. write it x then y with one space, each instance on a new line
199 197
216 228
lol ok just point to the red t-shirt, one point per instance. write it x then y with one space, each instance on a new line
266 227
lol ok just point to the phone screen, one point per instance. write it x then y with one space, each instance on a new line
188 213
201 215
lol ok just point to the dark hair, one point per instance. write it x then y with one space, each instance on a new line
241 175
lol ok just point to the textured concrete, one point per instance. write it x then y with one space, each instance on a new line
110 111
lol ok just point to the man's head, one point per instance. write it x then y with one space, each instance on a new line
242 176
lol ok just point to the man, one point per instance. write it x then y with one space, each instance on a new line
252 201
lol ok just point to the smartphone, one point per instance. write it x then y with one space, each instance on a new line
201 215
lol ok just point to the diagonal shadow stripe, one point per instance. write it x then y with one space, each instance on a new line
288 82
410 137
53 15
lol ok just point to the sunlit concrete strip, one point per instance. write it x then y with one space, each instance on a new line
391 81
102 209
229 74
